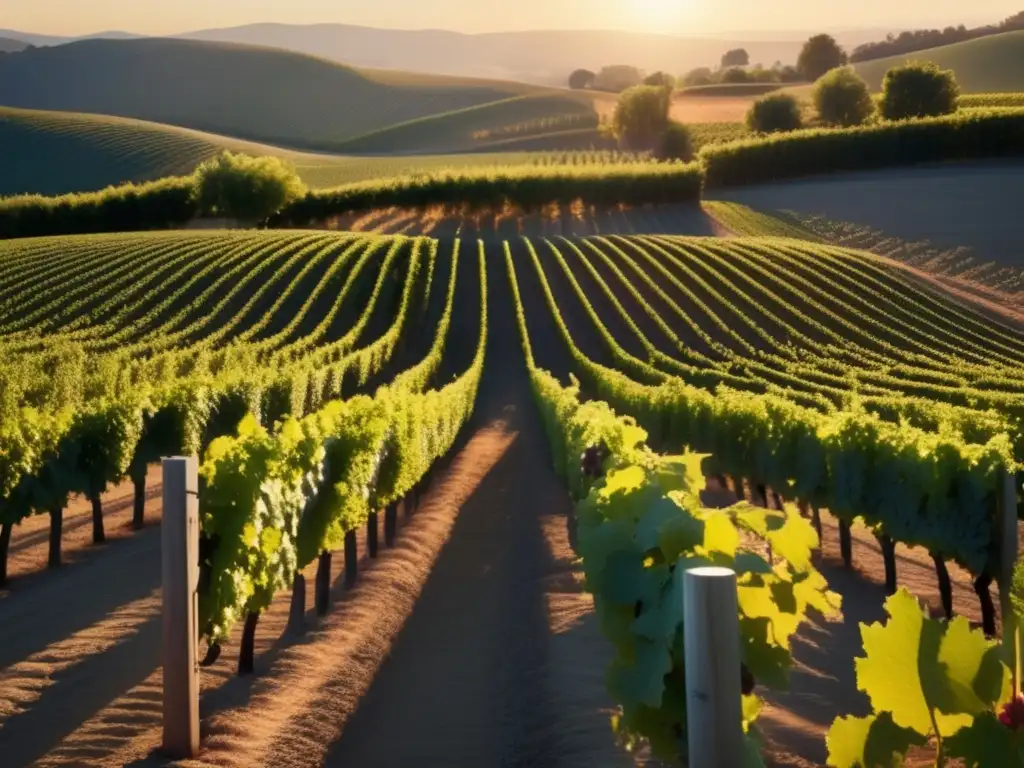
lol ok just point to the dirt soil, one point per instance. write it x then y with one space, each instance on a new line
965 204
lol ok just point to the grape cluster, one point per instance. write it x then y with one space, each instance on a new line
1012 714
592 461
747 680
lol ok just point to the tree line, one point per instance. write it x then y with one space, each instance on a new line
923 39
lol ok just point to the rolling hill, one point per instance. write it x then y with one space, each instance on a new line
55 153
542 56
987 65
260 94
9 45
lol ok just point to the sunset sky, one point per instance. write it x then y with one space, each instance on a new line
685 17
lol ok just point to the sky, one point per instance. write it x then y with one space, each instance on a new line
683 17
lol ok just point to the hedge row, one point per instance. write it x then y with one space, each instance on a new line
171 203
165 204
529 188
961 136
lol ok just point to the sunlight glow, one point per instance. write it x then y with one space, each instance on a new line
661 15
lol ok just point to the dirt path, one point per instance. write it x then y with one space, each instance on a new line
500 662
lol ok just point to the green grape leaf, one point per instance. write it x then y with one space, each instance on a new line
974 672
893 655
656 516
643 680
661 620
720 535
958 672
625 579
986 743
682 473
794 541
869 742
767 660
681 534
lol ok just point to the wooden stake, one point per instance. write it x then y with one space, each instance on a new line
390 524
1006 540
372 530
351 559
945 585
714 709
845 543
180 579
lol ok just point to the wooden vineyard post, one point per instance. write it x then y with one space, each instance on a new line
1006 531
714 707
180 579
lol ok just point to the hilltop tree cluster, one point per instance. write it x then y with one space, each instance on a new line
923 39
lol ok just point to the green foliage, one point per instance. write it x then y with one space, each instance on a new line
676 143
842 98
918 89
776 113
641 115
927 679
641 526
527 188
581 79
660 80
735 76
737 57
962 136
819 55
164 204
246 188
697 77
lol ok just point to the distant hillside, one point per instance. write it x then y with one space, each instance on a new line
38 40
55 153
545 57
7 45
987 65
254 93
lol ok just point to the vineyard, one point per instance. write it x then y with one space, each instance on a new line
326 381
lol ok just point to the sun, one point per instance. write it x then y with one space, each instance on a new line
661 15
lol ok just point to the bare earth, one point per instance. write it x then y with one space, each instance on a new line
974 205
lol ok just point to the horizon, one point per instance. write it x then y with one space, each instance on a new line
682 18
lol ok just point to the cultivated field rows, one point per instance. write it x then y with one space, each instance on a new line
283 324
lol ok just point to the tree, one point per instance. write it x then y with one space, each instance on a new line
820 54
737 57
660 79
249 189
789 74
582 79
919 89
641 116
735 75
676 143
618 78
842 98
697 77
774 114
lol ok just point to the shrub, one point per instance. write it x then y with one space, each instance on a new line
965 135
820 54
163 204
661 79
775 113
676 143
641 116
698 76
842 98
735 75
249 189
737 57
528 188
582 79
918 89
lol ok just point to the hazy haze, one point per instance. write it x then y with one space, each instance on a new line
684 17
